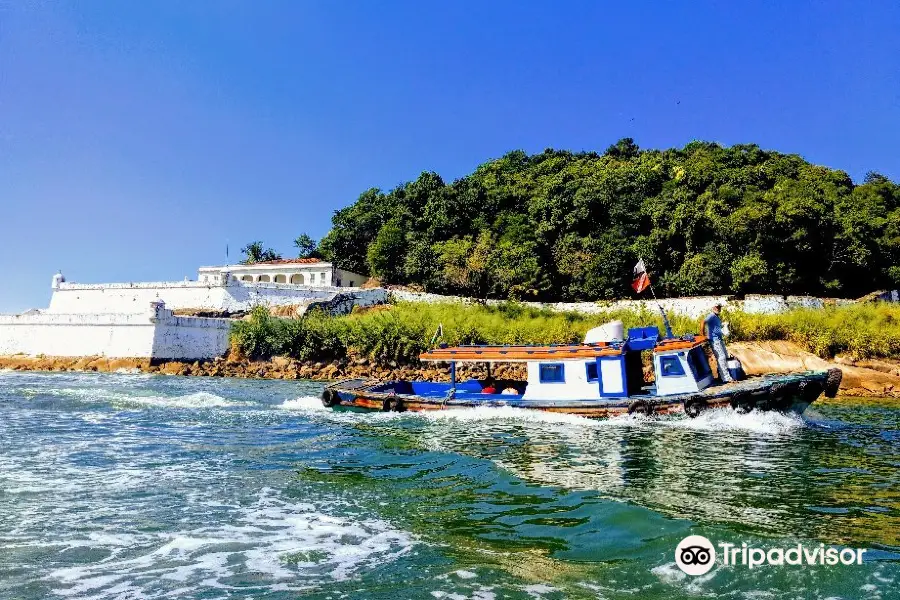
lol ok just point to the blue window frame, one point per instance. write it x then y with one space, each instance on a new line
591 371
552 373
670 366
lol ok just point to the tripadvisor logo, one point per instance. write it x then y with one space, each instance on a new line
696 555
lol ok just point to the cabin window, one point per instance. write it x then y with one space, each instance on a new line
591 371
552 373
670 366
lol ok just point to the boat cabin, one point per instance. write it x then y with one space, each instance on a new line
596 369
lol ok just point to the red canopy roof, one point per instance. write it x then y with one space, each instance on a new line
520 353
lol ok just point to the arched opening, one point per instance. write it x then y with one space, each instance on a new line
264 279
247 278
280 279
297 279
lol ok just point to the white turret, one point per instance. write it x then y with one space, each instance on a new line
58 279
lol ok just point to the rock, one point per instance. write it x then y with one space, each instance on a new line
281 361
174 368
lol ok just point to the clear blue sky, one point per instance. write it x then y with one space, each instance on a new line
137 137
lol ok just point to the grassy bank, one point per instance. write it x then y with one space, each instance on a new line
402 331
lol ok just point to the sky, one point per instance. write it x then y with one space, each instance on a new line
138 139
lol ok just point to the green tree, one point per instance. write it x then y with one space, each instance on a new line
561 225
254 253
306 246
385 255
467 264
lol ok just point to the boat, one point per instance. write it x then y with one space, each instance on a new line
601 377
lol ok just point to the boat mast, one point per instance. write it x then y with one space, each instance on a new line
669 333
452 379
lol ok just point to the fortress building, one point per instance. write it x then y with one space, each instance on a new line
298 271
163 320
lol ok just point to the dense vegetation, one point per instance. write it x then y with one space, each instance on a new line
401 332
565 226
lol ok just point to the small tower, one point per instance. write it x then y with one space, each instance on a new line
58 279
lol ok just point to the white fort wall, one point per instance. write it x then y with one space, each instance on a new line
152 334
78 298
135 320
694 307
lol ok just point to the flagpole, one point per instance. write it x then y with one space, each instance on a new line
669 333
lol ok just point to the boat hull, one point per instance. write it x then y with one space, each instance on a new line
784 393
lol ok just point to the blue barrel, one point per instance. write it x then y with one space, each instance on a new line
736 369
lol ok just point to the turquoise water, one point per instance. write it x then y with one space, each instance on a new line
132 486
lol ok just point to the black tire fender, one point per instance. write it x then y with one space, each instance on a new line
833 382
743 402
386 404
399 405
694 406
330 398
640 407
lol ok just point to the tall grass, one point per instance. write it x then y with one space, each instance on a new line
860 330
403 331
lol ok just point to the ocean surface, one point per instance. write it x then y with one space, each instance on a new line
138 486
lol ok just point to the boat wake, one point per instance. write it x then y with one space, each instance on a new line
290 545
726 419
719 419
127 399
305 404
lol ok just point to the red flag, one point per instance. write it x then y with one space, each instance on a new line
641 279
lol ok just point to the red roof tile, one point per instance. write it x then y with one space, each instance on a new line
288 261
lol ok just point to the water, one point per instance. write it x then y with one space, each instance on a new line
131 486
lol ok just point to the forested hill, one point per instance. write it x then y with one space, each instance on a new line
570 226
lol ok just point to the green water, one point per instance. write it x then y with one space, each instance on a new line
131 486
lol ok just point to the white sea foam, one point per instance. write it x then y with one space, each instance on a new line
194 400
292 544
305 404
671 575
118 397
726 419
538 590
504 413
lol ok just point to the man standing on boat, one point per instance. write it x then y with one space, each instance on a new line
711 327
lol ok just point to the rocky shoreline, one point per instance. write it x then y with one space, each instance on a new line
275 368
879 379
